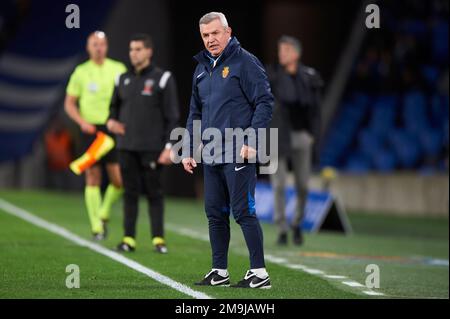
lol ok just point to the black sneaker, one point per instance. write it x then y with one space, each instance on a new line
214 279
161 248
252 281
298 236
98 236
124 247
282 239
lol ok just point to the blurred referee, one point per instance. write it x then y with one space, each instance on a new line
88 97
144 110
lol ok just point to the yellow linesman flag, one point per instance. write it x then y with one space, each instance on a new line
102 144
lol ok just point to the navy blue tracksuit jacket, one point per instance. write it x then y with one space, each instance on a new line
235 93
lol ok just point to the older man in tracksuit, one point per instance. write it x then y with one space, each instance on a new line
230 90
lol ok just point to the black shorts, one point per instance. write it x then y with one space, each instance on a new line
86 140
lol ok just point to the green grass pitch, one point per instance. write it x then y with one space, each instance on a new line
411 253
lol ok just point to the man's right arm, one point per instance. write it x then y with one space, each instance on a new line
71 108
195 113
113 123
73 92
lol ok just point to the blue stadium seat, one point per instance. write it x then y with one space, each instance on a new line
369 143
445 133
406 148
415 116
343 130
384 111
430 74
385 161
440 42
431 141
416 28
357 164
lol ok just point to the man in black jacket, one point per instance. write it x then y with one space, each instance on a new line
297 91
144 110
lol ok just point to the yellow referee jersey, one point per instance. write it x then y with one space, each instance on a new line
93 85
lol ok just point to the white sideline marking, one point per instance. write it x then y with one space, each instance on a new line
353 284
58 230
335 277
373 293
293 266
277 260
187 232
437 262
284 262
314 271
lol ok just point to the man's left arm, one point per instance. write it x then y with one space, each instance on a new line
112 123
256 87
171 113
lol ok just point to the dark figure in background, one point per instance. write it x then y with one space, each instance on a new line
144 110
297 89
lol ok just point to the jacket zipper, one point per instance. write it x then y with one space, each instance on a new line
209 96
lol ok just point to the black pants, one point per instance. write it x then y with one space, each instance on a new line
141 171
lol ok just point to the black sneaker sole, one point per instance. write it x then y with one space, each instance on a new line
263 287
225 284
267 285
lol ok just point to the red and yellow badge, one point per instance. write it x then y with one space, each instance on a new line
225 71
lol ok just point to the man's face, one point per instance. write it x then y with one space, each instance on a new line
287 54
215 36
97 47
139 54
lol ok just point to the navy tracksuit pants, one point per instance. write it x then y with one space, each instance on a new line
231 188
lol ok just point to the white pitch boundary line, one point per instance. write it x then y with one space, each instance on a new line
335 277
58 230
352 283
372 293
280 261
317 272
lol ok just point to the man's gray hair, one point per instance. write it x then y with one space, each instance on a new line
207 18
292 41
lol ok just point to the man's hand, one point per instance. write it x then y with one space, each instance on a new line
115 127
189 164
88 128
164 157
247 152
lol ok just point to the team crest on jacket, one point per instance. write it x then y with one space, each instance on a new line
148 87
225 71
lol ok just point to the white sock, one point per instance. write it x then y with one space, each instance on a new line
260 272
221 272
